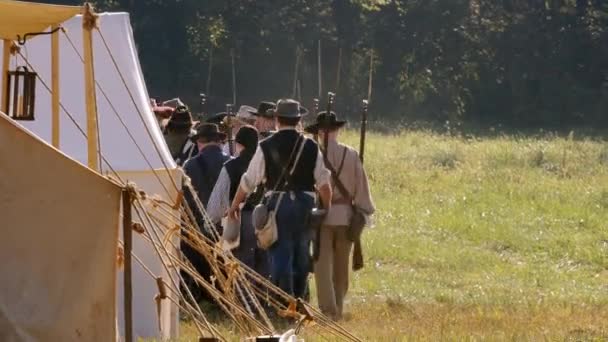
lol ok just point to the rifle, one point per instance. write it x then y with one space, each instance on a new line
315 111
363 129
203 103
229 124
330 100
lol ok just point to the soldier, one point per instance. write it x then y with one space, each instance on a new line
295 190
221 120
203 171
264 121
331 267
178 133
246 142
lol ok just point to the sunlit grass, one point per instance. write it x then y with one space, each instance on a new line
495 238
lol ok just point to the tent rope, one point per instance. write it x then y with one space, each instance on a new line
243 272
119 117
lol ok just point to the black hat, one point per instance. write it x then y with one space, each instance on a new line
209 131
181 118
325 121
217 118
288 108
263 109
248 137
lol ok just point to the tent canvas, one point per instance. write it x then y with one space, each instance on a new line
22 17
130 141
58 250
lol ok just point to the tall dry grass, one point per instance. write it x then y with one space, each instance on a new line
500 238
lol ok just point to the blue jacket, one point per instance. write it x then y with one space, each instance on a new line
203 170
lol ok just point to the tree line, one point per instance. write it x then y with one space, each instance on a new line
514 62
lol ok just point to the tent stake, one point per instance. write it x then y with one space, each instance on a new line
127 233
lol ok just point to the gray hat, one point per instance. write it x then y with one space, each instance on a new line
288 108
174 103
245 115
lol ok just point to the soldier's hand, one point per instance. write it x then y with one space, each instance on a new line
234 212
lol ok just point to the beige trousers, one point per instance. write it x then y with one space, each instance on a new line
331 270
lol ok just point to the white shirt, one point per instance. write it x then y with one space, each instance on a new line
219 200
256 173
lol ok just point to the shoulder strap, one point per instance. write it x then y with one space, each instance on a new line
342 162
336 178
295 162
291 156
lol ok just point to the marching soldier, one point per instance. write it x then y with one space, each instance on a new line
292 167
264 121
203 170
246 142
178 133
350 195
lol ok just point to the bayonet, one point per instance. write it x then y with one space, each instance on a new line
203 102
316 111
330 102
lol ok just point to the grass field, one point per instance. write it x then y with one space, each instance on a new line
502 238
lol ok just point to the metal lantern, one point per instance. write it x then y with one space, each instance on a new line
21 93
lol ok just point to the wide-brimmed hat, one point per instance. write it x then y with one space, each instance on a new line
181 118
288 108
208 131
217 118
264 109
244 114
325 121
174 103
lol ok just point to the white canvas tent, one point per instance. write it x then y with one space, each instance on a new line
129 137
58 245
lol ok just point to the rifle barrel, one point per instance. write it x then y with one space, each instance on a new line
363 130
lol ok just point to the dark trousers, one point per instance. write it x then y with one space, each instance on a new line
289 257
245 252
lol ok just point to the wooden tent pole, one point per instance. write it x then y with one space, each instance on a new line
55 87
6 58
88 24
127 233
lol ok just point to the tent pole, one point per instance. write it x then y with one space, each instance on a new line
127 232
6 58
88 24
55 87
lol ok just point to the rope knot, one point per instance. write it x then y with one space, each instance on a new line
15 49
90 19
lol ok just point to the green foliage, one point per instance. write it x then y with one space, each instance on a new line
519 63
